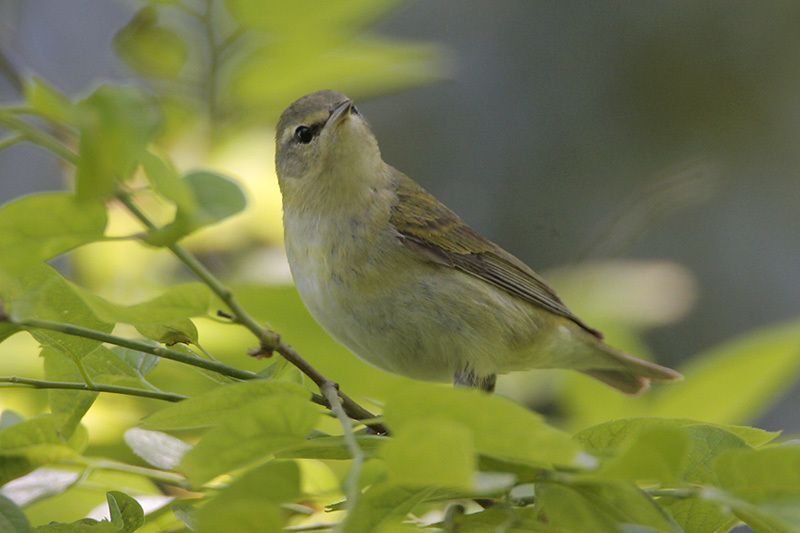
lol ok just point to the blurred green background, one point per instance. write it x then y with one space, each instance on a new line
643 155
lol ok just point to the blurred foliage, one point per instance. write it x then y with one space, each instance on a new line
257 454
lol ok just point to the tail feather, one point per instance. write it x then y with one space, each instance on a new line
627 373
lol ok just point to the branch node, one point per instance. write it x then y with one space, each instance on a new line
270 343
260 352
225 314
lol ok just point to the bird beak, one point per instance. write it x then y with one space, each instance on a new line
340 113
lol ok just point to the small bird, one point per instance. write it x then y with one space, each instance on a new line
403 282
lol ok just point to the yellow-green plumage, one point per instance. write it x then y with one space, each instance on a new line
403 282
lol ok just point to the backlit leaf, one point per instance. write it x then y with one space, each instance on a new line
268 425
67 224
116 124
149 48
215 197
251 503
431 452
382 504
218 405
71 404
499 427
48 102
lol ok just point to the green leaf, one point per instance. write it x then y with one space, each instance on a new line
141 363
179 301
163 318
769 479
12 519
48 102
216 198
126 513
67 225
431 452
279 64
181 331
736 381
328 447
267 425
151 49
30 444
105 366
116 124
40 292
220 404
499 427
659 449
167 182
656 454
158 449
71 404
383 504
126 517
270 77
251 503
87 525
600 507
696 515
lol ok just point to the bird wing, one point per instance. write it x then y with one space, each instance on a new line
432 230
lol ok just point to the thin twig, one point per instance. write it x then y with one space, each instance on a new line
157 350
11 141
331 393
152 473
37 136
96 387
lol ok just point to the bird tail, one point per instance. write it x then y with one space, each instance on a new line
624 372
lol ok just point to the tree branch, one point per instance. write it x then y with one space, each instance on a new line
95 387
159 351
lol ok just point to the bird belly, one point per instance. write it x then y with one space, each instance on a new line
408 316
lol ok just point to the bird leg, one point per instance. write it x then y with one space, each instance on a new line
466 377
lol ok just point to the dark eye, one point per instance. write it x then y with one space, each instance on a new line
303 134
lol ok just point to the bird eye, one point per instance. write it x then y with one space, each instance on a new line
303 134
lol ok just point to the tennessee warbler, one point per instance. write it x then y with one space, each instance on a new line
403 282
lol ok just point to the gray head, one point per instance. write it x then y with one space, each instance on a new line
322 133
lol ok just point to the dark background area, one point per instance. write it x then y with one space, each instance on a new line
558 118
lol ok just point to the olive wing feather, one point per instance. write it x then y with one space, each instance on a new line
429 228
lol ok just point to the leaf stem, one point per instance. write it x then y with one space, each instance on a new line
11 140
331 393
152 473
37 136
159 351
96 387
